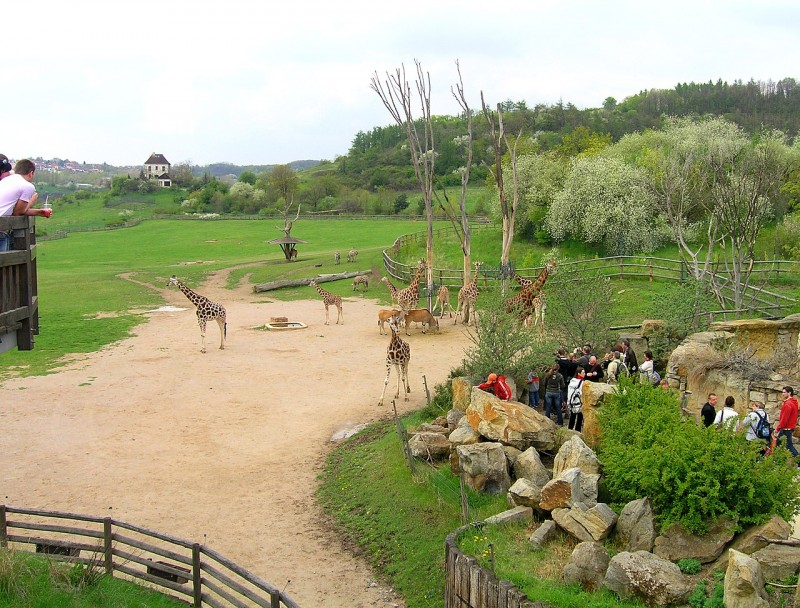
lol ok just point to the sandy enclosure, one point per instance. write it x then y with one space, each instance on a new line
222 448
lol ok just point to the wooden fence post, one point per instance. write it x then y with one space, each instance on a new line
108 551
427 391
3 528
197 581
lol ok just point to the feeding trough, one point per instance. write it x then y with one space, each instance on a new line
284 323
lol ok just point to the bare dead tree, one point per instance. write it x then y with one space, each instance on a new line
395 94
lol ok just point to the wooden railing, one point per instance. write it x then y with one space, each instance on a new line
19 302
187 571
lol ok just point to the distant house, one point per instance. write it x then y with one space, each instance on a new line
157 167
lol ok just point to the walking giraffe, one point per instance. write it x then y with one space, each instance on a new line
392 290
337 257
527 300
361 279
407 298
443 300
329 299
398 354
467 296
206 309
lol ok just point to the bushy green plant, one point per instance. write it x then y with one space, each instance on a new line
692 474
689 565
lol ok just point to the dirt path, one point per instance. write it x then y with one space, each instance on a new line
222 448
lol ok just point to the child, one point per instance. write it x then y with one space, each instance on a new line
533 389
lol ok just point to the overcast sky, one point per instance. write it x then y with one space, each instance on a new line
257 82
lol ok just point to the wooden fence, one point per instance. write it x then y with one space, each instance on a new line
187 571
19 301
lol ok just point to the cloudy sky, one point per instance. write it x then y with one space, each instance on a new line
257 82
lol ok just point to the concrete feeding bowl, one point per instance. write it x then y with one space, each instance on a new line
284 323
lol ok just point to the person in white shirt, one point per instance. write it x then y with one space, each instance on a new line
752 419
18 194
727 417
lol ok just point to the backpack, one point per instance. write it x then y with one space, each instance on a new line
762 428
575 403
622 370
655 378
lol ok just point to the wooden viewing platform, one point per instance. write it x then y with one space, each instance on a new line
19 302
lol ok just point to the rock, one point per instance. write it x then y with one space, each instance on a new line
454 417
432 428
462 392
430 446
575 453
647 577
525 493
676 543
512 454
512 515
586 523
440 421
528 465
587 566
593 395
744 583
510 423
464 435
778 561
543 534
483 467
635 529
748 542
562 492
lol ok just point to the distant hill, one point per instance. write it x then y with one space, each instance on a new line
222 169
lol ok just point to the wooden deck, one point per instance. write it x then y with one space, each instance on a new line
19 303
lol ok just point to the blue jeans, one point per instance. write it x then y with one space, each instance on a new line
552 404
533 398
5 241
789 445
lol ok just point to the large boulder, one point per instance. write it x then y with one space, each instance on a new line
647 577
528 465
464 434
429 445
744 582
462 392
454 417
516 514
585 523
432 427
636 529
525 493
571 487
575 454
483 467
677 543
587 566
510 423
753 539
778 561
593 394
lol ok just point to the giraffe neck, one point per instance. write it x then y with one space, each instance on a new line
539 283
194 298
320 291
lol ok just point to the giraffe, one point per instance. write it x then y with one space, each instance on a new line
467 296
361 279
443 300
398 354
329 299
206 309
525 302
392 290
407 298
337 257
352 255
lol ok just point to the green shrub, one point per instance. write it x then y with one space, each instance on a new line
692 474
689 565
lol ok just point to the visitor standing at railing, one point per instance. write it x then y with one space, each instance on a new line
18 194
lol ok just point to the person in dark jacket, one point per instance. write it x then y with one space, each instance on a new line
554 386
594 371
629 357
708 413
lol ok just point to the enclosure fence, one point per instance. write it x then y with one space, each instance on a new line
187 571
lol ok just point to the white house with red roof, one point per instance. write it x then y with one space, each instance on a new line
157 167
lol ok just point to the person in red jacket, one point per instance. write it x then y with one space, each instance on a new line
788 419
498 386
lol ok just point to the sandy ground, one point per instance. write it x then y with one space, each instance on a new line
222 448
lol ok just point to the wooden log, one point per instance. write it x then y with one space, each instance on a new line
323 278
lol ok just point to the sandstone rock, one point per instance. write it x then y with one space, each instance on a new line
744 583
587 566
524 493
528 465
510 423
635 529
483 467
512 515
586 523
676 543
454 417
432 428
645 576
575 453
430 446
543 534
440 421
464 435
593 395
563 491
778 561
462 392
512 454
748 542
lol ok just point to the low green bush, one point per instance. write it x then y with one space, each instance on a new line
692 474
689 565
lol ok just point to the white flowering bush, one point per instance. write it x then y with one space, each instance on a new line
608 203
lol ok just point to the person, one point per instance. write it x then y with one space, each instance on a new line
646 368
787 421
583 358
708 413
612 369
567 367
664 385
751 422
533 388
629 357
574 400
18 194
727 417
594 371
497 386
5 171
553 389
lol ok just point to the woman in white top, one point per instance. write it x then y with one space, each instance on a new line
727 417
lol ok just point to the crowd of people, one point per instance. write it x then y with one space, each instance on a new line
17 193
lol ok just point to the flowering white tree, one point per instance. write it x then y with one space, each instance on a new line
607 202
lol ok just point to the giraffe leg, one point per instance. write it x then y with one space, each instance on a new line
326 315
400 379
385 382
222 328
406 383
340 315
202 323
